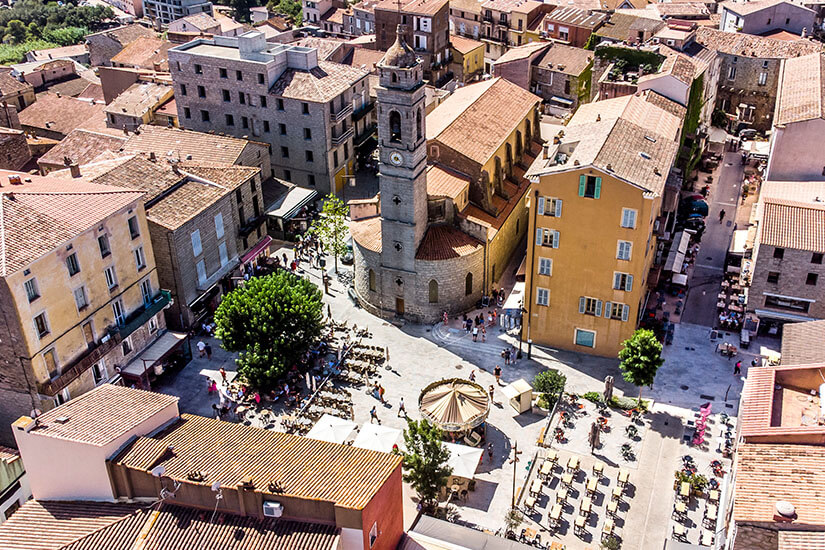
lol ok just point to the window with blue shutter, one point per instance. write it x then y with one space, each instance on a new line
582 184
558 208
538 236
581 304
598 308
598 190
555 239
629 284
626 312
607 306
541 206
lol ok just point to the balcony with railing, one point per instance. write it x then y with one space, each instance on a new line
140 316
80 365
365 134
340 137
250 225
343 113
362 111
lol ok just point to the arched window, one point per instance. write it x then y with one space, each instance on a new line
372 280
433 291
395 126
418 123
394 78
468 284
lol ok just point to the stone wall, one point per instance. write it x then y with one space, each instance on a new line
8 116
744 87
749 537
793 271
14 151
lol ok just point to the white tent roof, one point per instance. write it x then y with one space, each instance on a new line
463 459
514 300
331 428
378 438
517 388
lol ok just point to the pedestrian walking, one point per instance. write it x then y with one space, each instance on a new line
286 260
721 215
490 451
737 368
473 375
507 356
489 318
381 393
201 349
374 415
475 334
497 373
208 350
491 389
446 318
402 408
223 376
755 362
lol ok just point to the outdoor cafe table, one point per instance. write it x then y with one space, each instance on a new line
734 307
707 538
586 505
684 490
561 495
567 479
573 464
598 469
720 305
607 529
546 468
710 512
713 495
555 513
530 534
592 485
617 493
535 488
624 475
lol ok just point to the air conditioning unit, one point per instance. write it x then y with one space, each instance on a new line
273 509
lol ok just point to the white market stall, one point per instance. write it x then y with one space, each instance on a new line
378 438
332 429
520 395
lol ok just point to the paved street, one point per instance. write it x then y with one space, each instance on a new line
707 274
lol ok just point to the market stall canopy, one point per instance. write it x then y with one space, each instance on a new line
454 404
678 249
513 303
463 459
679 279
154 353
520 395
331 428
378 438
288 204
738 242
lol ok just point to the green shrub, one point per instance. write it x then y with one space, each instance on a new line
545 402
550 381
593 396
10 54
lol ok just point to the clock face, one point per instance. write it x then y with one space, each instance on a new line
396 158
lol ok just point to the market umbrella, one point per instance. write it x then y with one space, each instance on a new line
454 404
377 438
463 459
331 428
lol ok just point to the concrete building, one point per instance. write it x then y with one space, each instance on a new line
798 121
137 105
205 220
359 19
559 74
281 94
14 150
467 58
426 24
164 12
785 284
749 73
80 294
14 485
766 16
509 23
15 91
597 191
200 23
439 237
326 496
465 18
104 45
571 25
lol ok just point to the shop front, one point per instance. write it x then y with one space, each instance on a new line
170 352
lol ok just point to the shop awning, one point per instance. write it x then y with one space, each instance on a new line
513 302
679 279
288 204
332 429
678 249
154 353
378 438
737 242
561 101
781 316
257 249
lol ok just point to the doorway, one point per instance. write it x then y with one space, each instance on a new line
399 307
88 334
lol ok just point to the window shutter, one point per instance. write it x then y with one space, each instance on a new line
631 218
541 206
619 247
598 308
625 216
550 271
555 239
582 184
617 281
558 208
629 286
607 306
626 312
581 304
538 236
598 190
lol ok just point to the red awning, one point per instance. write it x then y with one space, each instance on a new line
257 249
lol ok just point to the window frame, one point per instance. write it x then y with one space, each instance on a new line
545 266
578 330
629 245
72 265
140 258
542 296
625 213
46 328
104 238
35 289
84 295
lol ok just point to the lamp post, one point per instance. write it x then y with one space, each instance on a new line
515 461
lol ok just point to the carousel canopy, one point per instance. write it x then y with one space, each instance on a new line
331 428
377 438
454 404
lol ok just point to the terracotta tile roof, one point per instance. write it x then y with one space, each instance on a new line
10 85
202 147
522 52
144 52
749 45
72 86
507 6
54 53
681 9
575 16
802 343
92 91
82 146
792 224
229 453
647 109
418 7
335 15
767 473
464 45
476 119
365 58
85 525
63 114
757 401
33 218
619 26
467 6
443 182
102 415
169 107
201 21
183 204
125 35
445 242
367 233
747 8
677 65
801 540
52 525
321 84
801 94
565 59
139 98
325 46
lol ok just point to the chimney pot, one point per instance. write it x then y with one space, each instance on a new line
75 170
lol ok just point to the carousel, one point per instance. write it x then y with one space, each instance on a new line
458 407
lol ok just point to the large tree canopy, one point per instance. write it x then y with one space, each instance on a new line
425 460
641 357
272 320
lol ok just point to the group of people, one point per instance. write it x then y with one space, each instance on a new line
730 320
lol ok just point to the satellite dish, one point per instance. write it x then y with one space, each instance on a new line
216 486
158 471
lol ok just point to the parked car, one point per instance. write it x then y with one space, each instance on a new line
347 258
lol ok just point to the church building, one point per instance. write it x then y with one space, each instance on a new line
451 208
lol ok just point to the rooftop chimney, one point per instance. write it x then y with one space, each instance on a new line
75 170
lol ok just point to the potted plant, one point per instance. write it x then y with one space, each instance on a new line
698 483
679 478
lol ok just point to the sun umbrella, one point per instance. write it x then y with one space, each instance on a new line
454 404
377 438
331 428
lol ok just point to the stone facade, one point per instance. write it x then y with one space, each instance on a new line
790 293
751 81
9 117
751 537
14 151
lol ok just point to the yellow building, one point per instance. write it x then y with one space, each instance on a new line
79 291
596 193
468 58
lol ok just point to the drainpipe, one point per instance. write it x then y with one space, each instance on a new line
529 296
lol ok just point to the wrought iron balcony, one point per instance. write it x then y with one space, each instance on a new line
344 136
141 315
343 113
80 365
362 111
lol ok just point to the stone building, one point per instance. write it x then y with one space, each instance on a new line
465 18
281 94
136 106
16 92
766 16
54 116
443 234
788 252
164 12
749 73
426 24
79 294
104 45
571 25
359 19
14 150
510 23
468 58
80 147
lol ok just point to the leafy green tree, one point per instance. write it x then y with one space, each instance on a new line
33 31
272 321
331 227
17 54
16 29
66 36
240 9
641 357
425 461
550 382
290 8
